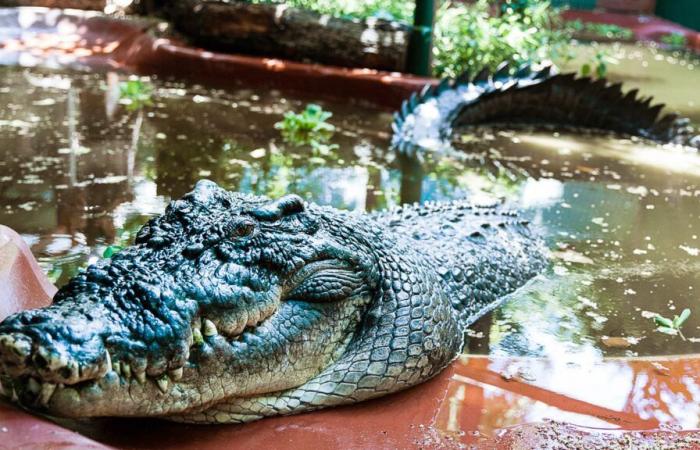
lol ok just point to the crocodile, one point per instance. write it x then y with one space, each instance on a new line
530 95
231 307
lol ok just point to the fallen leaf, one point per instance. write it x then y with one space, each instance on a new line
619 341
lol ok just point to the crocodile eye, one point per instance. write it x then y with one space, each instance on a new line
242 228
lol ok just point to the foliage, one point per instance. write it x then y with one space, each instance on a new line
309 128
469 38
674 40
310 121
54 273
598 66
111 251
136 94
672 326
385 9
606 30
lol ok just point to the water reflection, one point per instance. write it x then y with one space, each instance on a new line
489 394
76 157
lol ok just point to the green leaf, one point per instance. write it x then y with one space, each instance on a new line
678 320
585 69
601 70
112 250
667 330
663 321
313 109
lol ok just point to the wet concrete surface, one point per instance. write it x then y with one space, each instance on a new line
478 402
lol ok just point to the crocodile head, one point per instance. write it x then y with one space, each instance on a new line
224 297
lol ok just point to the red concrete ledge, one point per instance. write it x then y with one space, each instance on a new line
165 57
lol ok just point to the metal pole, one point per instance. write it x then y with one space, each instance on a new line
421 44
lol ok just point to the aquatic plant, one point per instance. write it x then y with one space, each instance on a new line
598 65
309 127
310 121
136 94
111 250
674 40
672 326
605 30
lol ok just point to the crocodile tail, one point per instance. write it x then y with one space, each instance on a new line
533 95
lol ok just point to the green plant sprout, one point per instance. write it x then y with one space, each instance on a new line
54 273
311 121
111 250
136 93
598 65
672 326
674 40
309 127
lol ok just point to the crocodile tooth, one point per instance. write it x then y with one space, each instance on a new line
126 371
15 397
197 337
47 390
197 324
54 361
140 375
162 383
33 386
5 390
176 374
210 328
108 362
117 367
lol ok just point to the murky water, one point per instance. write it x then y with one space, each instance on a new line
81 171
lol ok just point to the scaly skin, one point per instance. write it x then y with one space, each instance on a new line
535 96
231 307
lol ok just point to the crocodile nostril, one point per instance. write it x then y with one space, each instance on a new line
66 373
40 361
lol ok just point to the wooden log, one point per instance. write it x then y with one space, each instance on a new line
280 31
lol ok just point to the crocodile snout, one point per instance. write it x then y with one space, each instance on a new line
38 354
